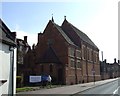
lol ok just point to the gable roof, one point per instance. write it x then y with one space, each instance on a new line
49 56
22 42
81 35
7 36
63 33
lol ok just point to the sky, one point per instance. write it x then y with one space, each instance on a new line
96 18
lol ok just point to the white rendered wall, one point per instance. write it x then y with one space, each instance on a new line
6 69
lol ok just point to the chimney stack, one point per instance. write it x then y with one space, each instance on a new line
118 61
25 39
39 37
115 60
105 60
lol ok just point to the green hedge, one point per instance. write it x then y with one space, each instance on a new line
19 81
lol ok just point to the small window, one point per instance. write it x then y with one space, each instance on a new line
71 51
50 42
78 64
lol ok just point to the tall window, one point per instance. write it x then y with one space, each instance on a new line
88 53
71 51
78 54
83 52
95 56
72 62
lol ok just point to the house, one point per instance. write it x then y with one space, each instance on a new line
65 53
7 60
22 49
109 70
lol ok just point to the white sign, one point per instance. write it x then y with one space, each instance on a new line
34 79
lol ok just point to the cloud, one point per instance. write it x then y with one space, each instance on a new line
17 27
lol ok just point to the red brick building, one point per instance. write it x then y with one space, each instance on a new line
109 70
66 53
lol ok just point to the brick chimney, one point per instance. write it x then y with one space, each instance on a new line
115 60
39 37
14 35
118 61
25 39
105 60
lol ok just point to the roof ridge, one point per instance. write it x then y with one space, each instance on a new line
81 34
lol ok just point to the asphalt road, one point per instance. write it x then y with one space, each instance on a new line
111 88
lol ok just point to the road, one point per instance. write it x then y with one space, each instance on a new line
111 88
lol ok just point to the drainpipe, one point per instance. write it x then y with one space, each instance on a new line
12 50
13 73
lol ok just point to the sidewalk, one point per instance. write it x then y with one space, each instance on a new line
71 89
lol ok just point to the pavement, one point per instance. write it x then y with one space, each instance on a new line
70 89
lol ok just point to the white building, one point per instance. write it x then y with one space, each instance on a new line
7 60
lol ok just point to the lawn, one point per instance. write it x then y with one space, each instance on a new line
23 89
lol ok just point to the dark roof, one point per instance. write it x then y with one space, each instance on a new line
6 36
22 42
63 34
81 35
49 56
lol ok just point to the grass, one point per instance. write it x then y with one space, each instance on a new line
24 89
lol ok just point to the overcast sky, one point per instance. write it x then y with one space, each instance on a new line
96 18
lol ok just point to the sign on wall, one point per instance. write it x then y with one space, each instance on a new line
34 79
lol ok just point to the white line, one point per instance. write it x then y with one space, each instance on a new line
116 90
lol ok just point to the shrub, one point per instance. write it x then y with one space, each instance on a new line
19 81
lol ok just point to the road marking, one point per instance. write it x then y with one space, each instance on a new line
116 90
